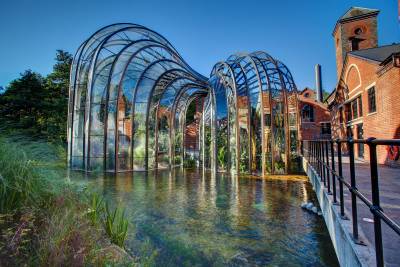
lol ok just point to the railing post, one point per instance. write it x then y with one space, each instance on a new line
350 143
333 170
340 169
318 158
375 201
311 153
323 161
301 148
327 166
314 156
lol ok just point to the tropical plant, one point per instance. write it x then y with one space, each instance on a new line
221 156
189 162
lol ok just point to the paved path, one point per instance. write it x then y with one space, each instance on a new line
389 185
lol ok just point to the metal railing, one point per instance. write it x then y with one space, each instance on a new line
317 154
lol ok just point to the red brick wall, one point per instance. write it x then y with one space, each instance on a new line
346 30
312 130
385 122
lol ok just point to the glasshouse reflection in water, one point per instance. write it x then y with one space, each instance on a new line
131 94
195 218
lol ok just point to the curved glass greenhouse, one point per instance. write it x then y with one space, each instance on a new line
131 93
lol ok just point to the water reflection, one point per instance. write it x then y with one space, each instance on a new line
195 218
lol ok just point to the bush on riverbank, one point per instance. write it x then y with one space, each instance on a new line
44 220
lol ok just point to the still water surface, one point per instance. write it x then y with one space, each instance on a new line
189 218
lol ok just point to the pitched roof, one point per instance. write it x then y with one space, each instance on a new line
377 54
355 13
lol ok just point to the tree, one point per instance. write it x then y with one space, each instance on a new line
325 95
39 104
21 103
57 86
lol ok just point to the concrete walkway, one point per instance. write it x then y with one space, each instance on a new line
389 185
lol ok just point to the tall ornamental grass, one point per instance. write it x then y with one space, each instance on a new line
20 182
44 220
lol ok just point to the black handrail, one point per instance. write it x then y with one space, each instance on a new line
316 153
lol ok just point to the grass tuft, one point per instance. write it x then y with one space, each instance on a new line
116 225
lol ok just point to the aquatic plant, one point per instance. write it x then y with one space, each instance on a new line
116 225
96 207
114 221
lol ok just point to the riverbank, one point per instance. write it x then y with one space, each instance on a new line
46 220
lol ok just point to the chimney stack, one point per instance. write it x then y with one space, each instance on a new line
318 83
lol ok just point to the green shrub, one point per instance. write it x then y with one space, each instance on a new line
189 162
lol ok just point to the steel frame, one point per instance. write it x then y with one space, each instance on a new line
131 62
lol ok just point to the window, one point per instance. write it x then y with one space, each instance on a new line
355 44
325 128
341 115
371 100
348 112
307 113
349 131
358 31
354 109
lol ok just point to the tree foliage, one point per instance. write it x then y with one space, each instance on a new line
39 104
191 111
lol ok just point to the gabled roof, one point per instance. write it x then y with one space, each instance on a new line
377 54
355 13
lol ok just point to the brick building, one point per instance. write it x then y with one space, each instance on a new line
365 102
315 120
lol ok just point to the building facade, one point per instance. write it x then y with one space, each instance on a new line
315 122
365 102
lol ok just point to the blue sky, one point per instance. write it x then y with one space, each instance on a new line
204 32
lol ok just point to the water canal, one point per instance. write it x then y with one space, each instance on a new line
189 218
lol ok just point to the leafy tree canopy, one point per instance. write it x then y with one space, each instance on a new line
39 104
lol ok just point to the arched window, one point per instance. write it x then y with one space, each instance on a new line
307 113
